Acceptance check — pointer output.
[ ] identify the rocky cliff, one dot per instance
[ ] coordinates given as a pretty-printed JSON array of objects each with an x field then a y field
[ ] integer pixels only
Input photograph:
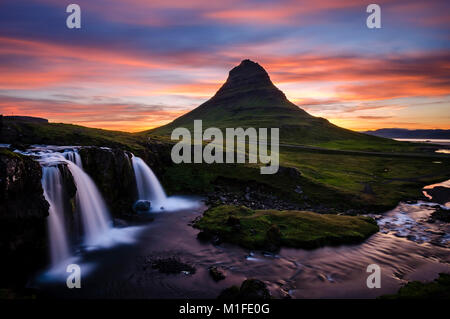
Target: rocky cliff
[
  {"x": 112, "y": 172},
  {"x": 23, "y": 214}
]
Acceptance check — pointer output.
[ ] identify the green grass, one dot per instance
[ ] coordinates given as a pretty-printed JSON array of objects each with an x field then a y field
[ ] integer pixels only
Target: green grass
[
  {"x": 437, "y": 289},
  {"x": 266, "y": 229},
  {"x": 391, "y": 178},
  {"x": 330, "y": 178},
  {"x": 67, "y": 134}
]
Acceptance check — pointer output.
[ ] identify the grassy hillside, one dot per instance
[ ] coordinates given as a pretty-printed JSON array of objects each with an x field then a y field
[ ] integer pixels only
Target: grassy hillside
[
  {"x": 339, "y": 181},
  {"x": 22, "y": 132}
]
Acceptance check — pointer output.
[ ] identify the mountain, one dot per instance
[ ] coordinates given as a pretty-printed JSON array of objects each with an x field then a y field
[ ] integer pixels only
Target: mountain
[
  {"x": 405, "y": 133},
  {"x": 248, "y": 98}
]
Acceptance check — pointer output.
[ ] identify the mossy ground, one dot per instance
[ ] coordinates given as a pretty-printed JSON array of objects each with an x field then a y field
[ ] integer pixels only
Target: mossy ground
[
  {"x": 437, "y": 289},
  {"x": 269, "y": 229}
]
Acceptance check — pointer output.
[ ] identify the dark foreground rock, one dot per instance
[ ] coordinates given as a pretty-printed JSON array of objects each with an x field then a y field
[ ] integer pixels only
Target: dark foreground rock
[
  {"x": 142, "y": 206},
  {"x": 439, "y": 194},
  {"x": 252, "y": 289},
  {"x": 23, "y": 216},
  {"x": 441, "y": 215}
]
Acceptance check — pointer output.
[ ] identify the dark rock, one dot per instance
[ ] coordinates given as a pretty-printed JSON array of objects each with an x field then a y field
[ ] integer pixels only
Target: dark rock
[
  {"x": 439, "y": 194},
  {"x": 441, "y": 215},
  {"x": 172, "y": 265},
  {"x": 289, "y": 171},
  {"x": 251, "y": 289},
  {"x": 23, "y": 218},
  {"x": 230, "y": 293},
  {"x": 142, "y": 206},
  {"x": 205, "y": 236},
  {"x": 216, "y": 274},
  {"x": 112, "y": 172}
]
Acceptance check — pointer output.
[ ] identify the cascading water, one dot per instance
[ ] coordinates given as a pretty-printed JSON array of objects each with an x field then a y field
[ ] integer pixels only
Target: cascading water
[
  {"x": 148, "y": 186},
  {"x": 94, "y": 214},
  {"x": 74, "y": 157},
  {"x": 150, "y": 189},
  {"x": 53, "y": 192},
  {"x": 89, "y": 202}
]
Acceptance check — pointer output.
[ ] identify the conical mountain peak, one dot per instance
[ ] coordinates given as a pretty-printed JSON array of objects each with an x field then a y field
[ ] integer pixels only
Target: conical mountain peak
[{"x": 249, "y": 78}]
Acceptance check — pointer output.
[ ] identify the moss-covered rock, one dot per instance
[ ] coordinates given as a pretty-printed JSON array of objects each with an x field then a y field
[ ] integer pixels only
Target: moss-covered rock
[
  {"x": 437, "y": 289},
  {"x": 270, "y": 229}
]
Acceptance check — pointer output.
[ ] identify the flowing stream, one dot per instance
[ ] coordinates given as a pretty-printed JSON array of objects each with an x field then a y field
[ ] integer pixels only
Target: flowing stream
[{"x": 408, "y": 247}]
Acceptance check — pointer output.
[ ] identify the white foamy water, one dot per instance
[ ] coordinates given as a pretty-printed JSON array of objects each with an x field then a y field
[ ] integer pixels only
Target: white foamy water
[
  {"x": 53, "y": 192},
  {"x": 149, "y": 188},
  {"x": 94, "y": 214}
]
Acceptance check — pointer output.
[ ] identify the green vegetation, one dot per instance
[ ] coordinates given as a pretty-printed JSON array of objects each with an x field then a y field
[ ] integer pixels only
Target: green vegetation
[
  {"x": 338, "y": 181},
  {"x": 270, "y": 229},
  {"x": 18, "y": 132},
  {"x": 368, "y": 179},
  {"x": 8, "y": 153},
  {"x": 437, "y": 289}
]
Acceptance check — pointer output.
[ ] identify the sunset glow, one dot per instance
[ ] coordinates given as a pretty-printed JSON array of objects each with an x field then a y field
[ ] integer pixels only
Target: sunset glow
[{"x": 136, "y": 65}]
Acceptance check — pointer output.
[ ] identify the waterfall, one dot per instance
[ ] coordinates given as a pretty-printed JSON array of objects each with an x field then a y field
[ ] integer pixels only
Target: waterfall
[
  {"x": 89, "y": 202},
  {"x": 74, "y": 157},
  {"x": 53, "y": 192},
  {"x": 148, "y": 185},
  {"x": 94, "y": 214}
]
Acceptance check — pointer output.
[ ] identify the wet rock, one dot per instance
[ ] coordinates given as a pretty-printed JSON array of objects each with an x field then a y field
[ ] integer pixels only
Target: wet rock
[
  {"x": 205, "y": 236},
  {"x": 216, "y": 274},
  {"x": 440, "y": 214},
  {"x": 251, "y": 289},
  {"x": 112, "y": 172},
  {"x": 172, "y": 265},
  {"x": 23, "y": 218},
  {"x": 439, "y": 194},
  {"x": 230, "y": 293},
  {"x": 142, "y": 206}
]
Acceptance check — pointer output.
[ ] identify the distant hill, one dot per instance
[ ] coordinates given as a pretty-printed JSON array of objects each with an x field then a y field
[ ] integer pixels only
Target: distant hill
[
  {"x": 248, "y": 98},
  {"x": 21, "y": 118},
  {"x": 405, "y": 133}
]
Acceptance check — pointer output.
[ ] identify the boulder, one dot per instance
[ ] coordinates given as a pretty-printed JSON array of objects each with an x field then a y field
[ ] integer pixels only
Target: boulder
[
  {"x": 142, "y": 206},
  {"x": 216, "y": 274}
]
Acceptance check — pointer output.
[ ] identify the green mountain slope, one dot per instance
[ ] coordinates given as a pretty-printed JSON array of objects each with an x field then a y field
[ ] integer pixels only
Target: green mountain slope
[{"x": 249, "y": 99}]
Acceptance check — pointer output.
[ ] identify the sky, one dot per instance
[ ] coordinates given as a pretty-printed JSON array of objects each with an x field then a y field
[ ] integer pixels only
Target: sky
[{"x": 139, "y": 64}]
